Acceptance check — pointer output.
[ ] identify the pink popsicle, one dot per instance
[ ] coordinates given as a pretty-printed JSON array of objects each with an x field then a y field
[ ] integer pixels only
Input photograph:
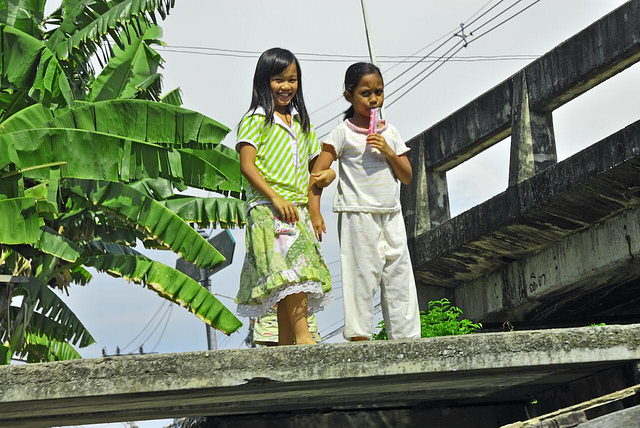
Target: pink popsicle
[{"x": 372, "y": 120}]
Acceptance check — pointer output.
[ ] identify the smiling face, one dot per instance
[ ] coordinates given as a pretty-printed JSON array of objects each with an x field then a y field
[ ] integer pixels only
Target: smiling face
[
  {"x": 284, "y": 87},
  {"x": 369, "y": 94}
]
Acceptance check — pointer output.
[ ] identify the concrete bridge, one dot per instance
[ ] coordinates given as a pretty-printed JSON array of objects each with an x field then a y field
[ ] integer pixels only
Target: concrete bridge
[
  {"x": 480, "y": 380},
  {"x": 560, "y": 246}
]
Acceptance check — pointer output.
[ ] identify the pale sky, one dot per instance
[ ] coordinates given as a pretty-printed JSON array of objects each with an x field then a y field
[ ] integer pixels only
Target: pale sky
[{"x": 115, "y": 311}]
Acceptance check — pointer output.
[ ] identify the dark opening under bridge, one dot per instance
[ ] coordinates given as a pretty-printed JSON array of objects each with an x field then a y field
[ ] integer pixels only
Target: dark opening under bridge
[{"x": 560, "y": 245}]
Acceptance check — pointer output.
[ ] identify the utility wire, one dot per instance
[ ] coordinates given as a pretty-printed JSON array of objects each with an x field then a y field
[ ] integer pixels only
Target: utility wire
[
  {"x": 458, "y": 50},
  {"x": 164, "y": 329},
  {"x": 452, "y": 35},
  {"x": 414, "y": 61},
  {"x": 498, "y": 15},
  {"x": 486, "y": 12},
  {"x": 446, "y": 60},
  {"x": 505, "y": 21},
  {"x": 390, "y": 68},
  {"x": 458, "y": 43},
  {"x": 421, "y": 80},
  {"x": 412, "y": 55},
  {"x": 145, "y": 327},
  {"x": 223, "y": 296},
  {"x": 166, "y": 312}
]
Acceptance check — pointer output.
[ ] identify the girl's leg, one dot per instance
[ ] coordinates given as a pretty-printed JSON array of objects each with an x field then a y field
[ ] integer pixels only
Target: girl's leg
[
  {"x": 285, "y": 332},
  {"x": 295, "y": 307},
  {"x": 399, "y": 297},
  {"x": 361, "y": 262}
]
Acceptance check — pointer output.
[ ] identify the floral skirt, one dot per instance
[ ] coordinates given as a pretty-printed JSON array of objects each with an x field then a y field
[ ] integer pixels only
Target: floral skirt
[{"x": 277, "y": 265}]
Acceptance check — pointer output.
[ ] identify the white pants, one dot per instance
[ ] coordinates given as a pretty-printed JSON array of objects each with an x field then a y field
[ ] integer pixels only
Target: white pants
[{"x": 374, "y": 253}]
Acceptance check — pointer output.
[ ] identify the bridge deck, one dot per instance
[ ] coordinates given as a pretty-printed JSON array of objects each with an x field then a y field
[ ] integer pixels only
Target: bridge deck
[{"x": 474, "y": 369}]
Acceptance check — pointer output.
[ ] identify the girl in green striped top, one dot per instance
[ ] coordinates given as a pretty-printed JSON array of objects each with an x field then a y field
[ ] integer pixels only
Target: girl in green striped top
[{"x": 284, "y": 264}]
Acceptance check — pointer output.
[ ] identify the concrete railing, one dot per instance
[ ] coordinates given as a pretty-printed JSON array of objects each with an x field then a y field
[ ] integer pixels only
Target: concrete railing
[
  {"x": 448, "y": 253},
  {"x": 521, "y": 106},
  {"x": 482, "y": 258}
]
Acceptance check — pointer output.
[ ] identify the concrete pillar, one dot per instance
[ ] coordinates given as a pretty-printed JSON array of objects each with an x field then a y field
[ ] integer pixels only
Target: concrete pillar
[
  {"x": 413, "y": 196},
  {"x": 438, "y": 198},
  {"x": 533, "y": 143},
  {"x": 425, "y": 201}
]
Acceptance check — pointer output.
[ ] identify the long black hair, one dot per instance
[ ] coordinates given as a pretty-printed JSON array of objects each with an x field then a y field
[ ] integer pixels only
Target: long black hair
[
  {"x": 352, "y": 77},
  {"x": 272, "y": 62}
]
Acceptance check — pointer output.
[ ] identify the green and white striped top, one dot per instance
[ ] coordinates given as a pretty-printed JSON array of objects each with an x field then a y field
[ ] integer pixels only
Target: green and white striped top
[{"x": 283, "y": 154}]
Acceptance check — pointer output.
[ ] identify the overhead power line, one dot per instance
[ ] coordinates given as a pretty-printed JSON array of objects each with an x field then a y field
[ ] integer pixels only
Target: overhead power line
[
  {"x": 458, "y": 50},
  {"x": 153, "y": 317},
  {"x": 443, "y": 60},
  {"x": 414, "y": 60},
  {"x": 155, "y": 328},
  {"x": 452, "y": 35},
  {"x": 164, "y": 329}
]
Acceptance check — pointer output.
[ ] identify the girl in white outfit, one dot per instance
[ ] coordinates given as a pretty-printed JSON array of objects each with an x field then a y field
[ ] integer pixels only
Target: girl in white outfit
[{"x": 373, "y": 240}]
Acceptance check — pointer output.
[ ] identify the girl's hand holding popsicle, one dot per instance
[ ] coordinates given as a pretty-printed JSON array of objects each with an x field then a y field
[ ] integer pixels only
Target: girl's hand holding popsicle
[{"x": 377, "y": 141}]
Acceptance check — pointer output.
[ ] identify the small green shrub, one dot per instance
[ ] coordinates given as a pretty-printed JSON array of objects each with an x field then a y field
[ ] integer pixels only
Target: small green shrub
[{"x": 441, "y": 319}]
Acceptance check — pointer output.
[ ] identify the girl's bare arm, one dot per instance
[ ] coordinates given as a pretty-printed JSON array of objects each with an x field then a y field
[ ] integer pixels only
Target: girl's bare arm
[{"x": 320, "y": 163}]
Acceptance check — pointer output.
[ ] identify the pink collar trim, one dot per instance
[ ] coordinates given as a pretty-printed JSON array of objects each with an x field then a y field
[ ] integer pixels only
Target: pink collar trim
[{"x": 364, "y": 131}]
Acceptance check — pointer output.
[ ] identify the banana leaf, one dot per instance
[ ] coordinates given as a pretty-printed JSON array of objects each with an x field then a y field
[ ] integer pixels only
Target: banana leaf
[
  {"x": 80, "y": 275},
  {"x": 42, "y": 325},
  {"x": 94, "y": 155},
  {"x": 30, "y": 117},
  {"x": 150, "y": 216},
  {"x": 52, "y": 243},
  {"x": 149, "y": 89},
  {"x": 156, "y": 188},
  {"x": 25, "y": 15},
  {"x": 137, "y": 120},
  {"x": 128, "y": 70},
  {"x": 226, "y": 212},
  {"x": 40, "y": 349},
  {"x": 98, "y": 246},
  {"x": 227, "y": 161},
  {"x": 5, "y": 355},
  {"x": 170, "y": 284},
  {"x": 114, "y": 19},
  {"x": 20, "y": 221},
  {"x": 50, "y": 305},
  {"x": 144, "y": 121},
  {"x": 173, "y": 97},
  {"x": 28, "y": 65}
]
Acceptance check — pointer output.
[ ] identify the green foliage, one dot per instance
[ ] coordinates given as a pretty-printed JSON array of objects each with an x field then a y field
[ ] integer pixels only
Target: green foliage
[
  {"x": 89, "y": 162},
  {"x": 441, "y": 319}
]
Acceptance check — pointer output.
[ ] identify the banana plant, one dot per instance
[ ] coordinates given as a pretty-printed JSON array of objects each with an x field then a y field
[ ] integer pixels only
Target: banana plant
[{"x": 93, "y": 160}]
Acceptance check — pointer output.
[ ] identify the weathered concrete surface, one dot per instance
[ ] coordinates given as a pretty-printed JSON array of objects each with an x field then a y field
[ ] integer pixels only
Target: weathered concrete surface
[
  {"x": 468, "y": 370},
  {"x": 592, "y": 275},
  {"x": 432, "y": 417},
  {"x": 601, "y": 412},
  {"x": 627, "y": 418},
  {"x": 589, "y": 187}
]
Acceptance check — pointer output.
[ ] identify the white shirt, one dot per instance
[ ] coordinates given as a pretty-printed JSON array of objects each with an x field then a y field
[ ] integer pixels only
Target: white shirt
[{"x": 366, "y": 181}]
